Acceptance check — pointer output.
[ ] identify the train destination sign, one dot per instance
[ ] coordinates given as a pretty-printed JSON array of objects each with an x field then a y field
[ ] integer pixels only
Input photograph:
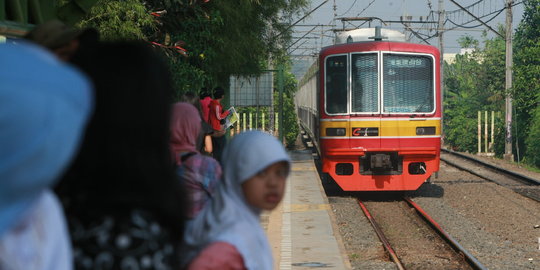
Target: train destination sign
[{"x": 407, "y": 62}]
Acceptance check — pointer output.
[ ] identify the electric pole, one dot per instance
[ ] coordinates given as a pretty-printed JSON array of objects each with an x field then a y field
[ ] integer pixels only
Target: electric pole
[
  {"x": 335, "y": 10},
  {"x": 508, "y": 154},
  {"x": 441, "y": 64}
]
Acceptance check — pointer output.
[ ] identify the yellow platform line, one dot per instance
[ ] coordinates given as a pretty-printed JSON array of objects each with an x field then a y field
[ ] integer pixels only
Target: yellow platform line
[{"x": 309, "y": 207}]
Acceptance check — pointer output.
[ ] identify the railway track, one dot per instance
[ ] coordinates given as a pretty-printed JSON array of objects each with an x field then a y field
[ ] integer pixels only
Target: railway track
[
  {"x": 524, "y": 185},
  {"x": 442, "y": 252}
]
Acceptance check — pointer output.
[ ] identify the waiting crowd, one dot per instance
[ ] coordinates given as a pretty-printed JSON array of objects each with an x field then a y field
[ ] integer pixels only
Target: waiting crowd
[{"x": 100, "y": 169}]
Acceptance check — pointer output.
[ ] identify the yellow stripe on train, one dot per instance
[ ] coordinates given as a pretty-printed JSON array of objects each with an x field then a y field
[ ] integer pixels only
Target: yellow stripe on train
[{"x": 384, "y": 128}]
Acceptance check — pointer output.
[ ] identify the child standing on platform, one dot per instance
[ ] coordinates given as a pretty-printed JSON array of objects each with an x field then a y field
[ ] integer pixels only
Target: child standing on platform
[{"x": 227, "y": 234}]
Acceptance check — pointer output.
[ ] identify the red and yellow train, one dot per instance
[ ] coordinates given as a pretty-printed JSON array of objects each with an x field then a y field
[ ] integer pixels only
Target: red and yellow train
[{"x": 374, "y": 110}]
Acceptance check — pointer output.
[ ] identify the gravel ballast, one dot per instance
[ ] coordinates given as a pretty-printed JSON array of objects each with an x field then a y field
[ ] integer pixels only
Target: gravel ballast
[{"x": 494, "y": 223}]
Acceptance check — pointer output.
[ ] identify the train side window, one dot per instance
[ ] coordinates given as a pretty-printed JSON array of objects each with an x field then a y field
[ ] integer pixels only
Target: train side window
[
  {"x": 365, "y": 95},
  {"x": 336, "y": 84},
  {"x": 408, "y": 84}
]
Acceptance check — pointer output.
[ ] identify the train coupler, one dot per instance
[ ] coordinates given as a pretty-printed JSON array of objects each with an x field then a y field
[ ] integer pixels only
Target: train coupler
[{"x": 381, "y": 163}]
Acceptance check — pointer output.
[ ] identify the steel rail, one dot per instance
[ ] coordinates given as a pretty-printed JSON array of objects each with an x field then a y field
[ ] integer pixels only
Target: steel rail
[
  {"x": 518, "y": 176},
  {"x": 449, "y": 239},
  {"x": 381, "y": 236}
]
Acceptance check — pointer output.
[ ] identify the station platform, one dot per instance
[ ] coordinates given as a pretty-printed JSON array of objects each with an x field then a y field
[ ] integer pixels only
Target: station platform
[{"x": 302, "y": 230}]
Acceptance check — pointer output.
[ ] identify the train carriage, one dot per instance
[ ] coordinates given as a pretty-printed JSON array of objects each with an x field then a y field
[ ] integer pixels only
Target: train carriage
[{"x": 374, "y": 109}]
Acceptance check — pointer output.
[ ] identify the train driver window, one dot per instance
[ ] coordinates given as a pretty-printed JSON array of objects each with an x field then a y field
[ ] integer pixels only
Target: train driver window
[
  {"x": 336, "y": 84},
  {"x": 408, "y": 84},
  {"x": 365, "y": 95}
]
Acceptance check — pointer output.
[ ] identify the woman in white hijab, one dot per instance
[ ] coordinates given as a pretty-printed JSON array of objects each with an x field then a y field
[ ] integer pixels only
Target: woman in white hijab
[{"x": 227, "y": 234}]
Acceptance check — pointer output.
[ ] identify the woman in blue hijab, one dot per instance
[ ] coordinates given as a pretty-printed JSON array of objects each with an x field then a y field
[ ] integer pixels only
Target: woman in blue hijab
[
  {"x": 44, "y": 105},
  {"x": 227, "y": 233}
]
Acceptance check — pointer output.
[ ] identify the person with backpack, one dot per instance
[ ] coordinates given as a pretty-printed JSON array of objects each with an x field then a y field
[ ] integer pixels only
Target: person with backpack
[
  {"x": 199, "y": 173},
  {"x": 204, "y": 139}
]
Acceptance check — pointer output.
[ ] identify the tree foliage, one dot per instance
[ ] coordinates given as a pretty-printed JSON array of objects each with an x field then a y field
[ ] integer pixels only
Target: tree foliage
[
  {"x": 225, "y": 37},
  {"x": 474, "y": 82},
  {"x": 479, "y": 85},
  {"x": 217, "y": 38},
  {"x": 532, "y": 143},
  {"x": 206, "y": 42},
  {"x": 290, "y": 121},
  {"x": 526, "y": 90},
  {"x": 119, "y": 20}
]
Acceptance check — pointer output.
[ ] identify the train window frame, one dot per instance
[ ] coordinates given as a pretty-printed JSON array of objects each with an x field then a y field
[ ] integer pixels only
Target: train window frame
[
  {"x": 348, "y": 80},
  {"x": 379, "y": 86},
  {"x": 434, "y": 82}
]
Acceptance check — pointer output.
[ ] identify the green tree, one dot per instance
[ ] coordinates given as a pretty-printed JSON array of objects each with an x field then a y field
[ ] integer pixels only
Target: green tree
[
  {"x": 493, "y": 72},
  {"x": 474, "y": 82},
  {"x": 217, "y": 38},
  {"x": 226, "y": 37},
  {"x": 119, "y": 20},
  {"x": 208, "y": 41},
  {"x": 460, "y": 103},
  {"x": 532, "y": 142},
  {"x": 290, "y": 120},
  {"x": 526, "y": 90}
]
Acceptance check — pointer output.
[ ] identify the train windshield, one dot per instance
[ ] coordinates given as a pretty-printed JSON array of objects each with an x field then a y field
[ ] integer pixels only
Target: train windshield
[
  {"x": 408, "y": 84},
  {"x": 336, "y": 84},
  {"x": 365, "y": 96}
]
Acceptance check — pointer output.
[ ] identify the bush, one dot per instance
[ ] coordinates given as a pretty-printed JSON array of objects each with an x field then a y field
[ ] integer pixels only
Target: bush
[
  {"x": 500, "y": 136},
  {"x": 532, "y": 142}
]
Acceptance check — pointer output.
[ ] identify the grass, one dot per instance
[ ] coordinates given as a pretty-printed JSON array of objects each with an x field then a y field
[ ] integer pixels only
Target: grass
[{"x": 529, "y": 167}]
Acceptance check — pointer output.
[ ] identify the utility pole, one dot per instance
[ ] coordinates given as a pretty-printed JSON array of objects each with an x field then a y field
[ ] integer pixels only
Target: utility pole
[
  {"x": 334, "y": 21},
  {"x": 280, "y": 86},
  {"x": 441, "y": 64},
  {"x": 335, "y": 10},
  {"x": 508, "y": 154}
]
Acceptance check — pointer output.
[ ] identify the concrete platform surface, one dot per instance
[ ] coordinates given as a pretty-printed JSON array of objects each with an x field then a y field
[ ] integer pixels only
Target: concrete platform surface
[{"x": 301, "y": 230}]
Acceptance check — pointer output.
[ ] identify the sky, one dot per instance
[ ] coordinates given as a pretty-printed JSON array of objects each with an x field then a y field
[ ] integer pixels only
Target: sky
[{"x": 309, "y": 38}]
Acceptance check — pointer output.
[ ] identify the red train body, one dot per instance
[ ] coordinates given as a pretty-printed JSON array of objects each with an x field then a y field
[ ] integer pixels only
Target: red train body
[{"x": 374, "y": 109}]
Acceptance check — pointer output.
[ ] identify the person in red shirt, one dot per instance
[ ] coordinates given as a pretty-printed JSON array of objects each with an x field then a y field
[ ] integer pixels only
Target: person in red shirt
[
  {"x": 215, "y": 116},
  {"x": 205, "y": 104}
]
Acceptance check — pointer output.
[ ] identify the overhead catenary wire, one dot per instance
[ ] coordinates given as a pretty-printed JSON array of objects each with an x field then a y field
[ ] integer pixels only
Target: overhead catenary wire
[
  {"x": 372, "y": 1},
  {"x": 303, "y": 17},
  {"x": 478, "y": 25},
  {"x": 301, "y": 38},
  {"x": 348, "y": 9},
  {"x": 456, "y": 20},
  {"x": 464, "y": 24},
  {"x": 477, "y": 18},
  {"x": 298, "y": 47}
]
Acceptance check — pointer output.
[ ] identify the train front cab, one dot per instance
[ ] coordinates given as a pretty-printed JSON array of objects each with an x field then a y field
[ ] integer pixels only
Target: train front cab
[{"x": 383, "y": 132}]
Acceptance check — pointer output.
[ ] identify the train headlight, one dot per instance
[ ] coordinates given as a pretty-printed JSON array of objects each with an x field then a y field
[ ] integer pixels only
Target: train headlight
[
  {"x": 335, "y": 132},
  {"x": 425, "y": 131}
]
